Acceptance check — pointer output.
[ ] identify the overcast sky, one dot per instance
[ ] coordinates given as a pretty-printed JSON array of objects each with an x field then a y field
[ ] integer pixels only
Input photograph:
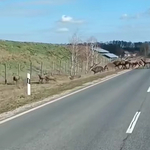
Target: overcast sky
[{"x": 55, "y": 21}]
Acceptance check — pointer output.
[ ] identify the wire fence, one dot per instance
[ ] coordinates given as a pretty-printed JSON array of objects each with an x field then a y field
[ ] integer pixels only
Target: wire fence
[{"x": 57, "y": 67}]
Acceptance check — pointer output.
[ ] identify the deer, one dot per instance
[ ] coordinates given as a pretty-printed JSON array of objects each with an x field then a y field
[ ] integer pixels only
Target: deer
[
  {"x": 109, "y": 66},
  {"x": 71, "y": 77},
  {"x": 41, "y": 78},
  {"x": 16, "y": 78},
  {"x": 117, "y": 63},
  {"x": 134, "y": 63},
  {"x": 95, "y": 68},
  {"x": 146, "y": 62},
  {"x": 48, "y": 78}
]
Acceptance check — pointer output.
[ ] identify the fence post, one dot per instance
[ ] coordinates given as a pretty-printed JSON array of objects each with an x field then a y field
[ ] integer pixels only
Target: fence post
[
  {"x": 30, "y": 68},
  {"x": 65, "y": 67},
  {"x": 53, "y": 67},
  {"x": 41, "y": 68},
  {"x": 78, "y": 69},
  {"x": 5, "y": 65},
  {"x": 82, "y": 67},
  {"x": 69, "y": 67},
  {"x": 28, "y": 84},
  {"x": 18, "y": 69},
  {"x": 84, "y": 63},
  {"x": 60, "y": 67}
]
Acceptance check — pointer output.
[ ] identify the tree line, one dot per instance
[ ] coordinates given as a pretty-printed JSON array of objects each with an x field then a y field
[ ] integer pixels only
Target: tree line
[{"x": 119, "y": 47}]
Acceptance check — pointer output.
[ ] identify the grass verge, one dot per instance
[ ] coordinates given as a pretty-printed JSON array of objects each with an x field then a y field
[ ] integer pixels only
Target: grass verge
[{"x": 47, "y": 91}]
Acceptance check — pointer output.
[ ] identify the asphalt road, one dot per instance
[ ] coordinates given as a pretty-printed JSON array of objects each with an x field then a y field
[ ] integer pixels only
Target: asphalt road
[{"x": 94, "y": 119}]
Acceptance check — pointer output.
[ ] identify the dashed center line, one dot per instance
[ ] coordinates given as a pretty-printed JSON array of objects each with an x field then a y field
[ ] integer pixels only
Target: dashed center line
[
  {"x": 148, "y": 89},
  {"x": 133, "y": 123}
]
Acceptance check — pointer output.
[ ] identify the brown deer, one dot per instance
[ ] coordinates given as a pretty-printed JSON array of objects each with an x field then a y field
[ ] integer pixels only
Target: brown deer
[
  {"x": 126, "y": 64},
  {"x": 117, "y": 64},
  {"x": 71, "y": 77},
  {"x": 109, "y": 66},
  {"x": 41, "y": 78},
  {"x": 146, "y": 62},
  {"x": 48, "y": 78},
  {"x": 97, "y": 69},
  {"x": 106, "y": 67},
  {"x": 16, "y": 79}
]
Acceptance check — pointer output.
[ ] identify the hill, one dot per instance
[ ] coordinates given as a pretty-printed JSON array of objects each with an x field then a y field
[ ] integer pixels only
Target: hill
[
  {"x": 36, "y": 58},
  {"x": 19, "y": 56}
]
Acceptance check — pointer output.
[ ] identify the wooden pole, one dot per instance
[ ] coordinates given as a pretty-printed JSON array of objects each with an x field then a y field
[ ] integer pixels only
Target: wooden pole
[
  {"x": 41, "y": 68},
  {"x": 18, "y": 69},
  {"x": 28, "y": 84},
  {"x": 30, "y": 68},
  {"x": 5, "y": 65}
]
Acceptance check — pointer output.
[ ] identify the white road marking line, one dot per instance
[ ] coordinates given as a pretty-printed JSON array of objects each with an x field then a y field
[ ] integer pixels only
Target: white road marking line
[
  {"x": 67, "y": 95},
  {"x": 133, "y": 123},
  {"x": 148, "y": 89}
]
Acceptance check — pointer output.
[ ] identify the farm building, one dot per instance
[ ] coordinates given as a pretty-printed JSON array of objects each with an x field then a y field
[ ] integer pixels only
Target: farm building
[
  {"x": 111, "y": 56},
  {"x": 100, "y": 50},
  {"x": 106, "y": 53}
]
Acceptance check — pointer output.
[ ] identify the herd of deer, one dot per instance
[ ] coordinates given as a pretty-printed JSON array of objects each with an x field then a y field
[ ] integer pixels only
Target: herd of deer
[
  {"x": 46, "y": 78},
  {"x": 117, "y": 64},
  {"x": 41, "y": 78},
  {"x": 122, "y": 64}
]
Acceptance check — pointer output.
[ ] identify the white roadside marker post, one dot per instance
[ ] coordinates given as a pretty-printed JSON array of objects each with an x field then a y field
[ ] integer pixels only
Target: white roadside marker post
[{"x": 28, "y": 84}]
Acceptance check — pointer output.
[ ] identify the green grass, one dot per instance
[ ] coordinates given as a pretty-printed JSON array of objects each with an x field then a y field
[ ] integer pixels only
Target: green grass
[
  {"x": 33, "y": 48},
  {"x": 14, "y": 53}
]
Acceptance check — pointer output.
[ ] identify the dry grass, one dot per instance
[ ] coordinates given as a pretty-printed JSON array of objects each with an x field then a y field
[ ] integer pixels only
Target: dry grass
[
  {"x": 54, "y": 59},
  {"x": 12, "y": 96}
]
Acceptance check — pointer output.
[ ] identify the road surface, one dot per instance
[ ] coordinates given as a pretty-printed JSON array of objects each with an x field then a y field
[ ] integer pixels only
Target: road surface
[{"x": 114, "y": 115}]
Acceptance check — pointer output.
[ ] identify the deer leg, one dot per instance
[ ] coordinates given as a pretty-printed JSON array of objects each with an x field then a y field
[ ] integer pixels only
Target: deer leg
[
  {"x": 39, "y": 80},
  {"x": 123, "y": 66},
  {"x": 118, "y": 67},
  {"x": 147, "y": 65}
]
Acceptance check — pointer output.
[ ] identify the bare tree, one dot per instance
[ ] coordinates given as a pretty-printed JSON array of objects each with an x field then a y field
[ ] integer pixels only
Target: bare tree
[
  {"x": 88, "y": 55},
  {"x": 145, "y": 49},
  {"x": 92, "y": 42},
  {"x": 74, "y": 53}
]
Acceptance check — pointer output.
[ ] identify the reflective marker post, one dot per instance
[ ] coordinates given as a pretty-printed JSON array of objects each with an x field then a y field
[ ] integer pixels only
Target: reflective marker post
[{"x": 28, "y": 84}]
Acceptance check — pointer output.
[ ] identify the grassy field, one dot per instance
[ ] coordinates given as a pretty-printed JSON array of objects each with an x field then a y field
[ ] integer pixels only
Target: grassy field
[{"x": 21, "y": 58}]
